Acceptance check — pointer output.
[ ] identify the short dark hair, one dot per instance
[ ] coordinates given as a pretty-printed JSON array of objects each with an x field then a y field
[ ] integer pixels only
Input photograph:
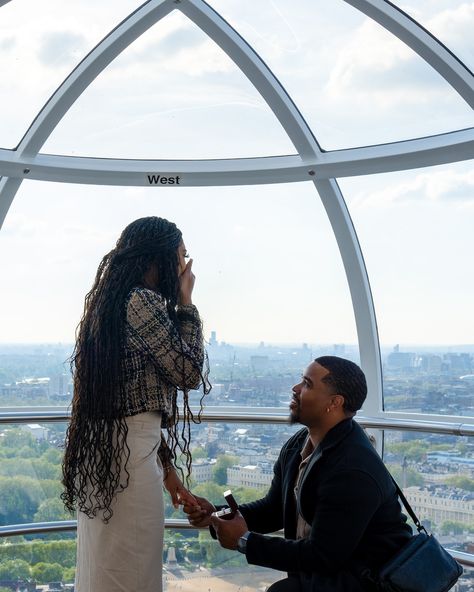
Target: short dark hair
[{"x": 347, "y": 379}]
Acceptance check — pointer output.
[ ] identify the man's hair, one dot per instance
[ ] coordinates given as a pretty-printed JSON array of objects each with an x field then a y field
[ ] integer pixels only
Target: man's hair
[{"x": 347, "y": 379}]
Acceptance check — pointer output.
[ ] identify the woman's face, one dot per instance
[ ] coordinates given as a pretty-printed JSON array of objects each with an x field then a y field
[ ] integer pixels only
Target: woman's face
[{"x": 182, "y": 256}]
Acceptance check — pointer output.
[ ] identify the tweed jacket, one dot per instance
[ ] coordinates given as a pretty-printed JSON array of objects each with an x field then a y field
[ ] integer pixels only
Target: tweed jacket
[
  {"x": 347, "y": 497},
  {"x": 159, "y": 359}
]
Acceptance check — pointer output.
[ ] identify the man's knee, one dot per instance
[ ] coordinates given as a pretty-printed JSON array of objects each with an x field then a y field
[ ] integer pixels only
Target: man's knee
[{"x": 286, "y": 585}]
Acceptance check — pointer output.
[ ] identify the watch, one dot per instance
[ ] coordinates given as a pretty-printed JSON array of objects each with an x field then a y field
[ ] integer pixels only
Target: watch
[{"x": 242, "y": 542}]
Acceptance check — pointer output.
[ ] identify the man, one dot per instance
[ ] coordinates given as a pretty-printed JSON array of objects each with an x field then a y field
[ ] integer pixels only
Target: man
[{"x": 330, "y": 492}]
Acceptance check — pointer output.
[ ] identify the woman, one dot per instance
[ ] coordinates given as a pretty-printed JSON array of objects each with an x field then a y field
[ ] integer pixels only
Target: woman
[{"x": 139, "y": 341}]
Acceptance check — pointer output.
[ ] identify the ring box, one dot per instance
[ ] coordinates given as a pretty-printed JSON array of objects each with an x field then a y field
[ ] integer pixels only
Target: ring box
[{"x": 225, "y": 513}]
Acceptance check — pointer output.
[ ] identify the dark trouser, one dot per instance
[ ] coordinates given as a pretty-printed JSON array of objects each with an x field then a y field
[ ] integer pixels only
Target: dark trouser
[
  {"x": 286, "y": 585},
  {"x": 341, "y": 582}
]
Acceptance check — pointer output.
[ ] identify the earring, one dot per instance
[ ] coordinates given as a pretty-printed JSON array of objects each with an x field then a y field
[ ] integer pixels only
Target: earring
[{"x": 327, "y": 410}]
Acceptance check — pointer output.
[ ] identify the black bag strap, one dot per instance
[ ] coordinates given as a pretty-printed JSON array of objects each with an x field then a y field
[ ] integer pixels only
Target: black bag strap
[{"x": 408, "y": 508}]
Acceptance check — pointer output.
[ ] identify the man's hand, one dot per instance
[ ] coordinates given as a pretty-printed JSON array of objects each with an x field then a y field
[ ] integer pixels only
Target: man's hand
[
  {"x": 229, "y": 531},
  {"x": 199, "y": 513}
]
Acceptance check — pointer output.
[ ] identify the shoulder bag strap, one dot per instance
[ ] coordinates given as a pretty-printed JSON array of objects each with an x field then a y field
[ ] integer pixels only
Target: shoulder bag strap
[{"x": 408, "y": 508}]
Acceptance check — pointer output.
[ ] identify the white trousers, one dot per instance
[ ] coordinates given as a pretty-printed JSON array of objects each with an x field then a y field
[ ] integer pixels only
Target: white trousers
[{"x": 125, "y": 555}]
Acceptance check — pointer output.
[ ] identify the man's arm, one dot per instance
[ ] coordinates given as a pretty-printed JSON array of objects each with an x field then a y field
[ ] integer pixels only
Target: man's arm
[
  {"x": 344, "y": 508},
  {"x": 264, "y": 515}
]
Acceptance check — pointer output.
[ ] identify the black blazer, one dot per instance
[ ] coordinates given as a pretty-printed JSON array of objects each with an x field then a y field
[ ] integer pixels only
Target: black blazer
[{"x": 348, "y": 498}]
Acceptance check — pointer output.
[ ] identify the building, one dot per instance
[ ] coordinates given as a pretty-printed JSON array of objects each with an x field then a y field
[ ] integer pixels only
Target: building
[
  {"x": 202, "y": 469},
  {"x": 398, "y": 360},
  {"x": 439, "y": 503},
  {"x": 38, "y": 432},
  {"x": 256, "y": 476}
]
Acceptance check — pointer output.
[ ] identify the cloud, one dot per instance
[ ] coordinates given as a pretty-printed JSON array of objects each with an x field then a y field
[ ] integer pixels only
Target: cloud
[
  {"x": 21, "y": 227},
  {"x": 186, "y": 51},
  {"x": 7, "y": 43},
  {"x": 375, "y": 63},
  {"x": 185, "y": 38},
  {"x": 60, "y": 48},
  {"x": 435, "y": 186},
  {"x": 454, "y": 27}
]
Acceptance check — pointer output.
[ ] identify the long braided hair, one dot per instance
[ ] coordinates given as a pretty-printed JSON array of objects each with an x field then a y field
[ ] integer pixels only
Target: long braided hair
[{"x": 96, "y": 455}]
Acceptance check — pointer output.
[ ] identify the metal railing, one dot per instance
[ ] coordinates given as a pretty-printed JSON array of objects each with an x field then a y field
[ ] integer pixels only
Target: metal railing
[
  {"x": 466, "y": 559},
  {"x": 232, "y": 415},
  {"x": 263, "y": 415}
]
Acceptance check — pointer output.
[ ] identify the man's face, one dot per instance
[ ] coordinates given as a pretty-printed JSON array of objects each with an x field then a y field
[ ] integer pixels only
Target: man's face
[{"x": 311, "y": 397}]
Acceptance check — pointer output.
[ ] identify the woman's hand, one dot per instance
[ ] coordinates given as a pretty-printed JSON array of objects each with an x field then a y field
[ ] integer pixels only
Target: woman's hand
[
  {"x": 199, "y": 513},
  {"x": 178, "y": 492},
  {"x": 186, "y": 284}
]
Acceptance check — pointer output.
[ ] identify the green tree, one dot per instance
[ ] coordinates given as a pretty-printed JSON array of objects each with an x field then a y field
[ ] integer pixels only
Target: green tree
[
  {"x": 413, "y": 477},
  {"x": 26, "y": 452},
  {"x": 51, "y": 510},
  {"x": 51, "y": 488},
  {"x": 215, "y": 555},
  {"x": 199, "y": 452},
  {"x": 14, "y": 467},
  {"x": 211, "y": 491},
  {"x": 46, "y": 470},
  {"x": 52, "y": 455},
  {"x": 451, "y": 526},
  {"x": 17, "y": 438},
  {"x": 69, "y": 573},
  {"x": 36, "y": 468},
  {"x": 14, "y": 569},
  {"x": 19, "y": 499},
  {"x": 412, "y": 450},
  {"x": 219, "y": 470},
  {"x": 244, "y": 495},
  {"x": 58, "y": 551},
  {"x": 47, "y": 572},
  {"x": 461, "y": 481}
]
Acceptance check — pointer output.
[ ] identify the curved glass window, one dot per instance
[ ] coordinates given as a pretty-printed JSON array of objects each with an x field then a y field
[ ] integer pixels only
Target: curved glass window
[
  {"x": 172, "y": 94},
  {"x": 435, "y": 473},
  {"x": 37, "y": 52},
  {"x": 192, "y": 560},
  {"x": 450, "y": 20},
  {"x": 257, "y": 251},
  {"x": 271, "y": 271},
  {"x": 415, "y": 230},
  {"x": 354, "y": 82}
]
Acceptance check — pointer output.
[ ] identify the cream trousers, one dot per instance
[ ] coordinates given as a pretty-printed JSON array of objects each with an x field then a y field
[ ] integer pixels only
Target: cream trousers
[{"x": 125, "y": 555}]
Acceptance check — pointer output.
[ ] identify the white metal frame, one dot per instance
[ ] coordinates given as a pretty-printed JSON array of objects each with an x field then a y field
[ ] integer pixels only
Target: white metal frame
[{"x": 310, "y": 162}]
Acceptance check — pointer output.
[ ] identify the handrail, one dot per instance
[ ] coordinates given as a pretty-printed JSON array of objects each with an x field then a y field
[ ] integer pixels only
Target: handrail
[
  {"x": 70, "y": 525},
  {"x": 232, "y": 415},
  {"x": 259, "y": 415},
  {"x": 466, "y": 559}
]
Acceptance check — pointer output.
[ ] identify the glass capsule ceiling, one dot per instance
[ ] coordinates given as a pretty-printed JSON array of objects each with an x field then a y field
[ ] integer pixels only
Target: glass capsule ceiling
[{"x": 249, "y": 117}]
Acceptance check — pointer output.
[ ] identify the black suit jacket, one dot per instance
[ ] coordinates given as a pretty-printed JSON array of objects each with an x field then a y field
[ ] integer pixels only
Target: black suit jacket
[{"x": 348, "y": 498}]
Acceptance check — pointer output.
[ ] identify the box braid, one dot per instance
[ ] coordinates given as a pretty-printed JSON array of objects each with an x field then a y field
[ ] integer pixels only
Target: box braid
[{"x": 96, "y": 451}]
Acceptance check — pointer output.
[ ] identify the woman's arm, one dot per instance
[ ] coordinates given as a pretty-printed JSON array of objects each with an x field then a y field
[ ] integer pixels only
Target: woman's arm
[
  {"x": 173, "y": 484},
  {"x": 178, "y": 353}
]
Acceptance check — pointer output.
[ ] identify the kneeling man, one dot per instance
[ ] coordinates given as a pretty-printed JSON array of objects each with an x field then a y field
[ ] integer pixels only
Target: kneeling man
[{"x": 331, "y": 493}]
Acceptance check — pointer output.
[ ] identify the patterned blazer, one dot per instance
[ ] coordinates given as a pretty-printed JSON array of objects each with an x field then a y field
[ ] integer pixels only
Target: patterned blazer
[{"x": 159, "y": 358}]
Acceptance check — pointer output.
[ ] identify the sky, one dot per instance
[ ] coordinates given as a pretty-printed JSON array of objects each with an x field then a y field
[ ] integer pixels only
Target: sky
[{"x": 266, "y": 261}]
